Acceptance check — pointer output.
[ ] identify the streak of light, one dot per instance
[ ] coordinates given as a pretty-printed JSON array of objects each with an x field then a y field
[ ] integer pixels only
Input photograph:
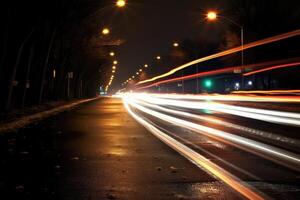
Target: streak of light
[
  {"x": 198, "y": 159},
  {"x": 224, "y": 70},
  {"x": 273, "y": 153},
  {"x": 189, "y": 77},
  {"x": 212, "y": 155},
  {"x": 227, "y": 52},
  {"x": 267, "y": 92},
  {"x": 272, "y": 68},
  {"x": 279, "y": 117},
  {"x": 218, "y": 97},
  {"x": 251, "y": 131}
]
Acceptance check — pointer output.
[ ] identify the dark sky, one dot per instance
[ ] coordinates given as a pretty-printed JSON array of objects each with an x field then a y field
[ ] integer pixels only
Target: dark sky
[{"x": 151, "y": 26}]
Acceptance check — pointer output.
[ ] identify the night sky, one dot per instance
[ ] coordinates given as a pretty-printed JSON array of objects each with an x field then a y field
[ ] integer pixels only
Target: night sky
[{"x": 150, "y": 27}]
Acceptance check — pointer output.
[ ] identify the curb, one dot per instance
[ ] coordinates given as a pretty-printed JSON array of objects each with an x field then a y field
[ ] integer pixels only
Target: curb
[{"x": 29, "y": 119}]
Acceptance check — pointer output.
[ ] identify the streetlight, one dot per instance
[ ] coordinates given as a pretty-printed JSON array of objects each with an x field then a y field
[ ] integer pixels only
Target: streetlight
[
  {"x": 237, "y": 86},
  {"x": 114, "y": 67},
  {"x": 158, "y": 57},
  {"x": 112, "y": 53},
  {"x": 212, "y": 15},
  {"x": 145, "y": 65},
  {"x": 115, "y": 62},
  {"x": 105, "y": 31},
  {"x": 141, "y": 70},
  {"x": 121, "y": 3},
  {"x": 175, "y": 44}
]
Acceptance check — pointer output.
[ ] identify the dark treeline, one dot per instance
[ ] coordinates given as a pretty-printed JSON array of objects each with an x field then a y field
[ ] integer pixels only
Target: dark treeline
[{"x": 46, "y": 52}]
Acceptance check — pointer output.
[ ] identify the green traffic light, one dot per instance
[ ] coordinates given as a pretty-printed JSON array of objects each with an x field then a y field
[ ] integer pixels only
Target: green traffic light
[{"x": 208, "y": 83}]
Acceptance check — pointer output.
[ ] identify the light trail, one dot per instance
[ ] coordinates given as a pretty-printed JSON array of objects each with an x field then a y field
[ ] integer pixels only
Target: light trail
[
  {"x": 280, "y": 156},
  {"x": 251, "y": 131},
  {"x": 201, "y": 74},
  {"x": 237, "y": 98},
  {"x": 279, "y": 117},
  {"x": 277, "y": 63},
  {"x": 270, "y": 92},
  {"x": 227, "y": 52},
  {"x": 195, "y": 146},
  {"x": 272, "y": 68},
  {"x": 199, "y": 160}
]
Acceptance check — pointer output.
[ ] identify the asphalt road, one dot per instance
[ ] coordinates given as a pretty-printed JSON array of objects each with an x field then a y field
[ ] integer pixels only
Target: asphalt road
[{"x": 98, "y": 151}]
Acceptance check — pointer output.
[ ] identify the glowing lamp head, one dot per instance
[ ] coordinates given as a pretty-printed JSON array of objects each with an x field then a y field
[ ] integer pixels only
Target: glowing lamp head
[
  {"x": 211, "y": 15},
  {"x": 111, "y": 53},
  {"x": 158, "y": 57},
  {"x": 105, "y": 31},
  {"x": 121, "y": 3},
  {"x": 175, "y": 44}
]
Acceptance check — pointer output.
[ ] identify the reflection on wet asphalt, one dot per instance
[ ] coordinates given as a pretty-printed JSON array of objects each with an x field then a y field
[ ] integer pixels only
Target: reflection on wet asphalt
[{"x": 97, "y": 151}]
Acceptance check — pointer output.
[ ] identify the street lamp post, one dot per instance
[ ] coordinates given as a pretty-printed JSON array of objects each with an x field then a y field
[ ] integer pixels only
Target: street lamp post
[
  {"x": 176, "y": 45},
  {"x": 212, "y": 15}
]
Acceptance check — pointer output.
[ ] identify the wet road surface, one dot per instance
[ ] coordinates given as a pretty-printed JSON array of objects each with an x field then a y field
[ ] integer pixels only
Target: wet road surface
[{"x": 98, "y": 151}]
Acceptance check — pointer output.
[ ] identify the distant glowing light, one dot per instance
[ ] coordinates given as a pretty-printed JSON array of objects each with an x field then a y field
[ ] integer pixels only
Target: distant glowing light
[
  {"x": 158, "y": 57},
  {"x": 237, "y": 86},
  {"x": 211, "y": 15},
  {"x": 121, "y": 3},
  {"x": 175, "y": 44},
  {"x": 115, "y": 62},
  {"x": 250, "y": 83},
  {"x": 146, "y": 66},
  {"x": 105, "y": 31},
  {"x": 111, "y": 53},
  {"x": 208, "y": 83}
]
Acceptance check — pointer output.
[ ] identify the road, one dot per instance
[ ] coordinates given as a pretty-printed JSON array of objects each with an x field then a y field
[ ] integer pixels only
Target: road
[{"x": 98, "y": 151}]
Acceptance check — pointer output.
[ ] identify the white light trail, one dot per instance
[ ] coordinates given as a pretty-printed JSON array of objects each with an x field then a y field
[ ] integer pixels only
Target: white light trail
[
  {"x": 273, "y": 153},
  {"x": 199, "y": 160},
  {"x": 279, "y": 117},
  {"x": 231, "y": 97},
  {"x": 248, "y": 130}
]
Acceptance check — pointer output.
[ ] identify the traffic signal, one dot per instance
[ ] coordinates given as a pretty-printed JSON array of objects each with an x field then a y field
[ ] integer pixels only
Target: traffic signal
[{"x": 208, "y": 83}]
